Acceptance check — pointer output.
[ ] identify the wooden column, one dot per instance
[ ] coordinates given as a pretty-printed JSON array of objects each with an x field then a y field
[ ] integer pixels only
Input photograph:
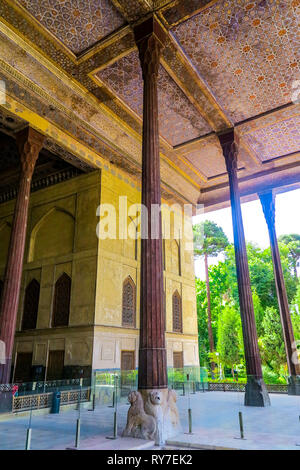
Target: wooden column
[
  {"x": 256, "y": 392},
  {"x": 149, "y": 38},
  {"x": 268, "y": 204},
  {"x": 29, "y": 143}
]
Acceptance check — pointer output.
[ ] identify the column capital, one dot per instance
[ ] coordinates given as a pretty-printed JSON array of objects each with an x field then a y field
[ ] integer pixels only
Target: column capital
[
  {"x": 267, "y": 200},
  {"x": 229, "y": 148},
  {"x": 29, "y": 143},
  {"x": 150, "y": 39}
]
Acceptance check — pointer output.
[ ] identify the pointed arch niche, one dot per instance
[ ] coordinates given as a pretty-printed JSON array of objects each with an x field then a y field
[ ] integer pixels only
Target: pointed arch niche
[
  {"x": 53, "y": 235},
  {"x": 61, "y": 302},
  {"x": 128, "y": 303},
  {"x": 177, "y": 312},
  {"x": 31, "y": 305}
]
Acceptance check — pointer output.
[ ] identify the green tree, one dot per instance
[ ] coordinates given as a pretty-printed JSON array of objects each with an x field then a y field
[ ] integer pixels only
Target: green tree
[
  {"x": 228, "y": 346},
  {"x": 220, "y": 294},
  {"x": 292, "y": 241},
  {"x": 272, "y": 343},
  {"x": 224, "y": 291},
  {"x": 202, "y": 320},
  {"x": 261, "y": 274},
  {"x": 291, "y": 281},
  {"x": 295, "y": 313},
  {"x": 209, "y": 240}
]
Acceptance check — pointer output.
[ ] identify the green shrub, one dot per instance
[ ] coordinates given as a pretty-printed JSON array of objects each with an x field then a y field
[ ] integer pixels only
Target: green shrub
[{"x": 271, "y": 377}]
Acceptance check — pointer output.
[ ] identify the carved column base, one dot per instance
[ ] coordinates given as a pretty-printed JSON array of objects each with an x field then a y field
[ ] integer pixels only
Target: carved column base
[
  {"x": 153, "y": 415},
  {"x": 256, "y": 393},
  {"x": 294, "y": 385}
]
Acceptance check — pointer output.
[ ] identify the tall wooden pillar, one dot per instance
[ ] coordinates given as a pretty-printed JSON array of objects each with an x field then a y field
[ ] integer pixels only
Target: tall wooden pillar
[
  {"x": 268, "y": 204},
  {"x": 152, "y": 374},
  {"x": 29, "y": 143},
  {"x": 256, "y": 392}
]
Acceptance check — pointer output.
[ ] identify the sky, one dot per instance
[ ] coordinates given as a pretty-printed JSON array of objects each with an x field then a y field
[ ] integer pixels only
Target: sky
[{"x": 287, "y": 221}]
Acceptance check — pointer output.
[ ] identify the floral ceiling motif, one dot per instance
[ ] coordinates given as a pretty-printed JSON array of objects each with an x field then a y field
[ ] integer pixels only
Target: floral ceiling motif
[
  {"x": 179, "y": 121},
  {"x": 246, "y": 51},
  {"x": 78, "y": 24}
]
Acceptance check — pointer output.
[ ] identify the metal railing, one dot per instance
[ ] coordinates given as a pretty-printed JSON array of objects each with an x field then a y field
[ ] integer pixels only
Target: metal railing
[
  {"x": 280, "y": 388},
  {"x": 32, "y": 402},
  {"x": 44, "y": 400},
  {"x": 240, "y": 387}
]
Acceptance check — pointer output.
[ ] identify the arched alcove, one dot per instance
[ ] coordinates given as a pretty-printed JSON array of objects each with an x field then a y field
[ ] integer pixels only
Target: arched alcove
[
  {"x": 53, "y": 235},
  {"x": 31, "y": 305},
  {"x": 61, "y": 302}
]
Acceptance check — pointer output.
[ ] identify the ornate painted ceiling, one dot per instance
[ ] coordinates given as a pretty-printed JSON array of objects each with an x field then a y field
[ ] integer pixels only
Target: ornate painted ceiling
[
  {"x": 71, "y": 70},
  {"x": 77, "y": 24},
  {"x": 179, "y": 120}
]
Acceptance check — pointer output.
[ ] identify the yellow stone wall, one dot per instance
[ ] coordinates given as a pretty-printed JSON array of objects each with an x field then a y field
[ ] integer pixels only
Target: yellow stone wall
[
  {"x": 116, "y": 261},
  {"x": 61, "y": 237}
]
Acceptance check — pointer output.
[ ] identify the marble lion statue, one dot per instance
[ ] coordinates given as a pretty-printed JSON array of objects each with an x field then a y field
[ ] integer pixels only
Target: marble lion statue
[
  {"x": 172, "y": 408},
  {"x": 164, "y": 409},
  {"x": 139, "y": 424},
  {"x": 153, "y": 406}
]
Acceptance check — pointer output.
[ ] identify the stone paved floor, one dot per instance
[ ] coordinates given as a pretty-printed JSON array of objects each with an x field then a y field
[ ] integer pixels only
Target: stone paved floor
[
  {"x": 215, "y": 424},
  {"x": 58, "y": 430}
]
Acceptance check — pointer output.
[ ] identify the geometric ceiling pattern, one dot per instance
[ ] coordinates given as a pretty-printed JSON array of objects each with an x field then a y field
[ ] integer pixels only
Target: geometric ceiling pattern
[
  {"x": 179, "y": 121},
  {"x": 247, "y": 52},
  {"x": 180, "y": 10},
  {"x": 77, "y": 24},
  {"x": 207, "y": 156},
  {"x": 275, "y": 140},
  {"x": 225, "y": 63}
]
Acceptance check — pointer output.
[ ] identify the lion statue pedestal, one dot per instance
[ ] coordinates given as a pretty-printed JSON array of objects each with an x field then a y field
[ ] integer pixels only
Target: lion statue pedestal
[{"x": 153, "y": 415}]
